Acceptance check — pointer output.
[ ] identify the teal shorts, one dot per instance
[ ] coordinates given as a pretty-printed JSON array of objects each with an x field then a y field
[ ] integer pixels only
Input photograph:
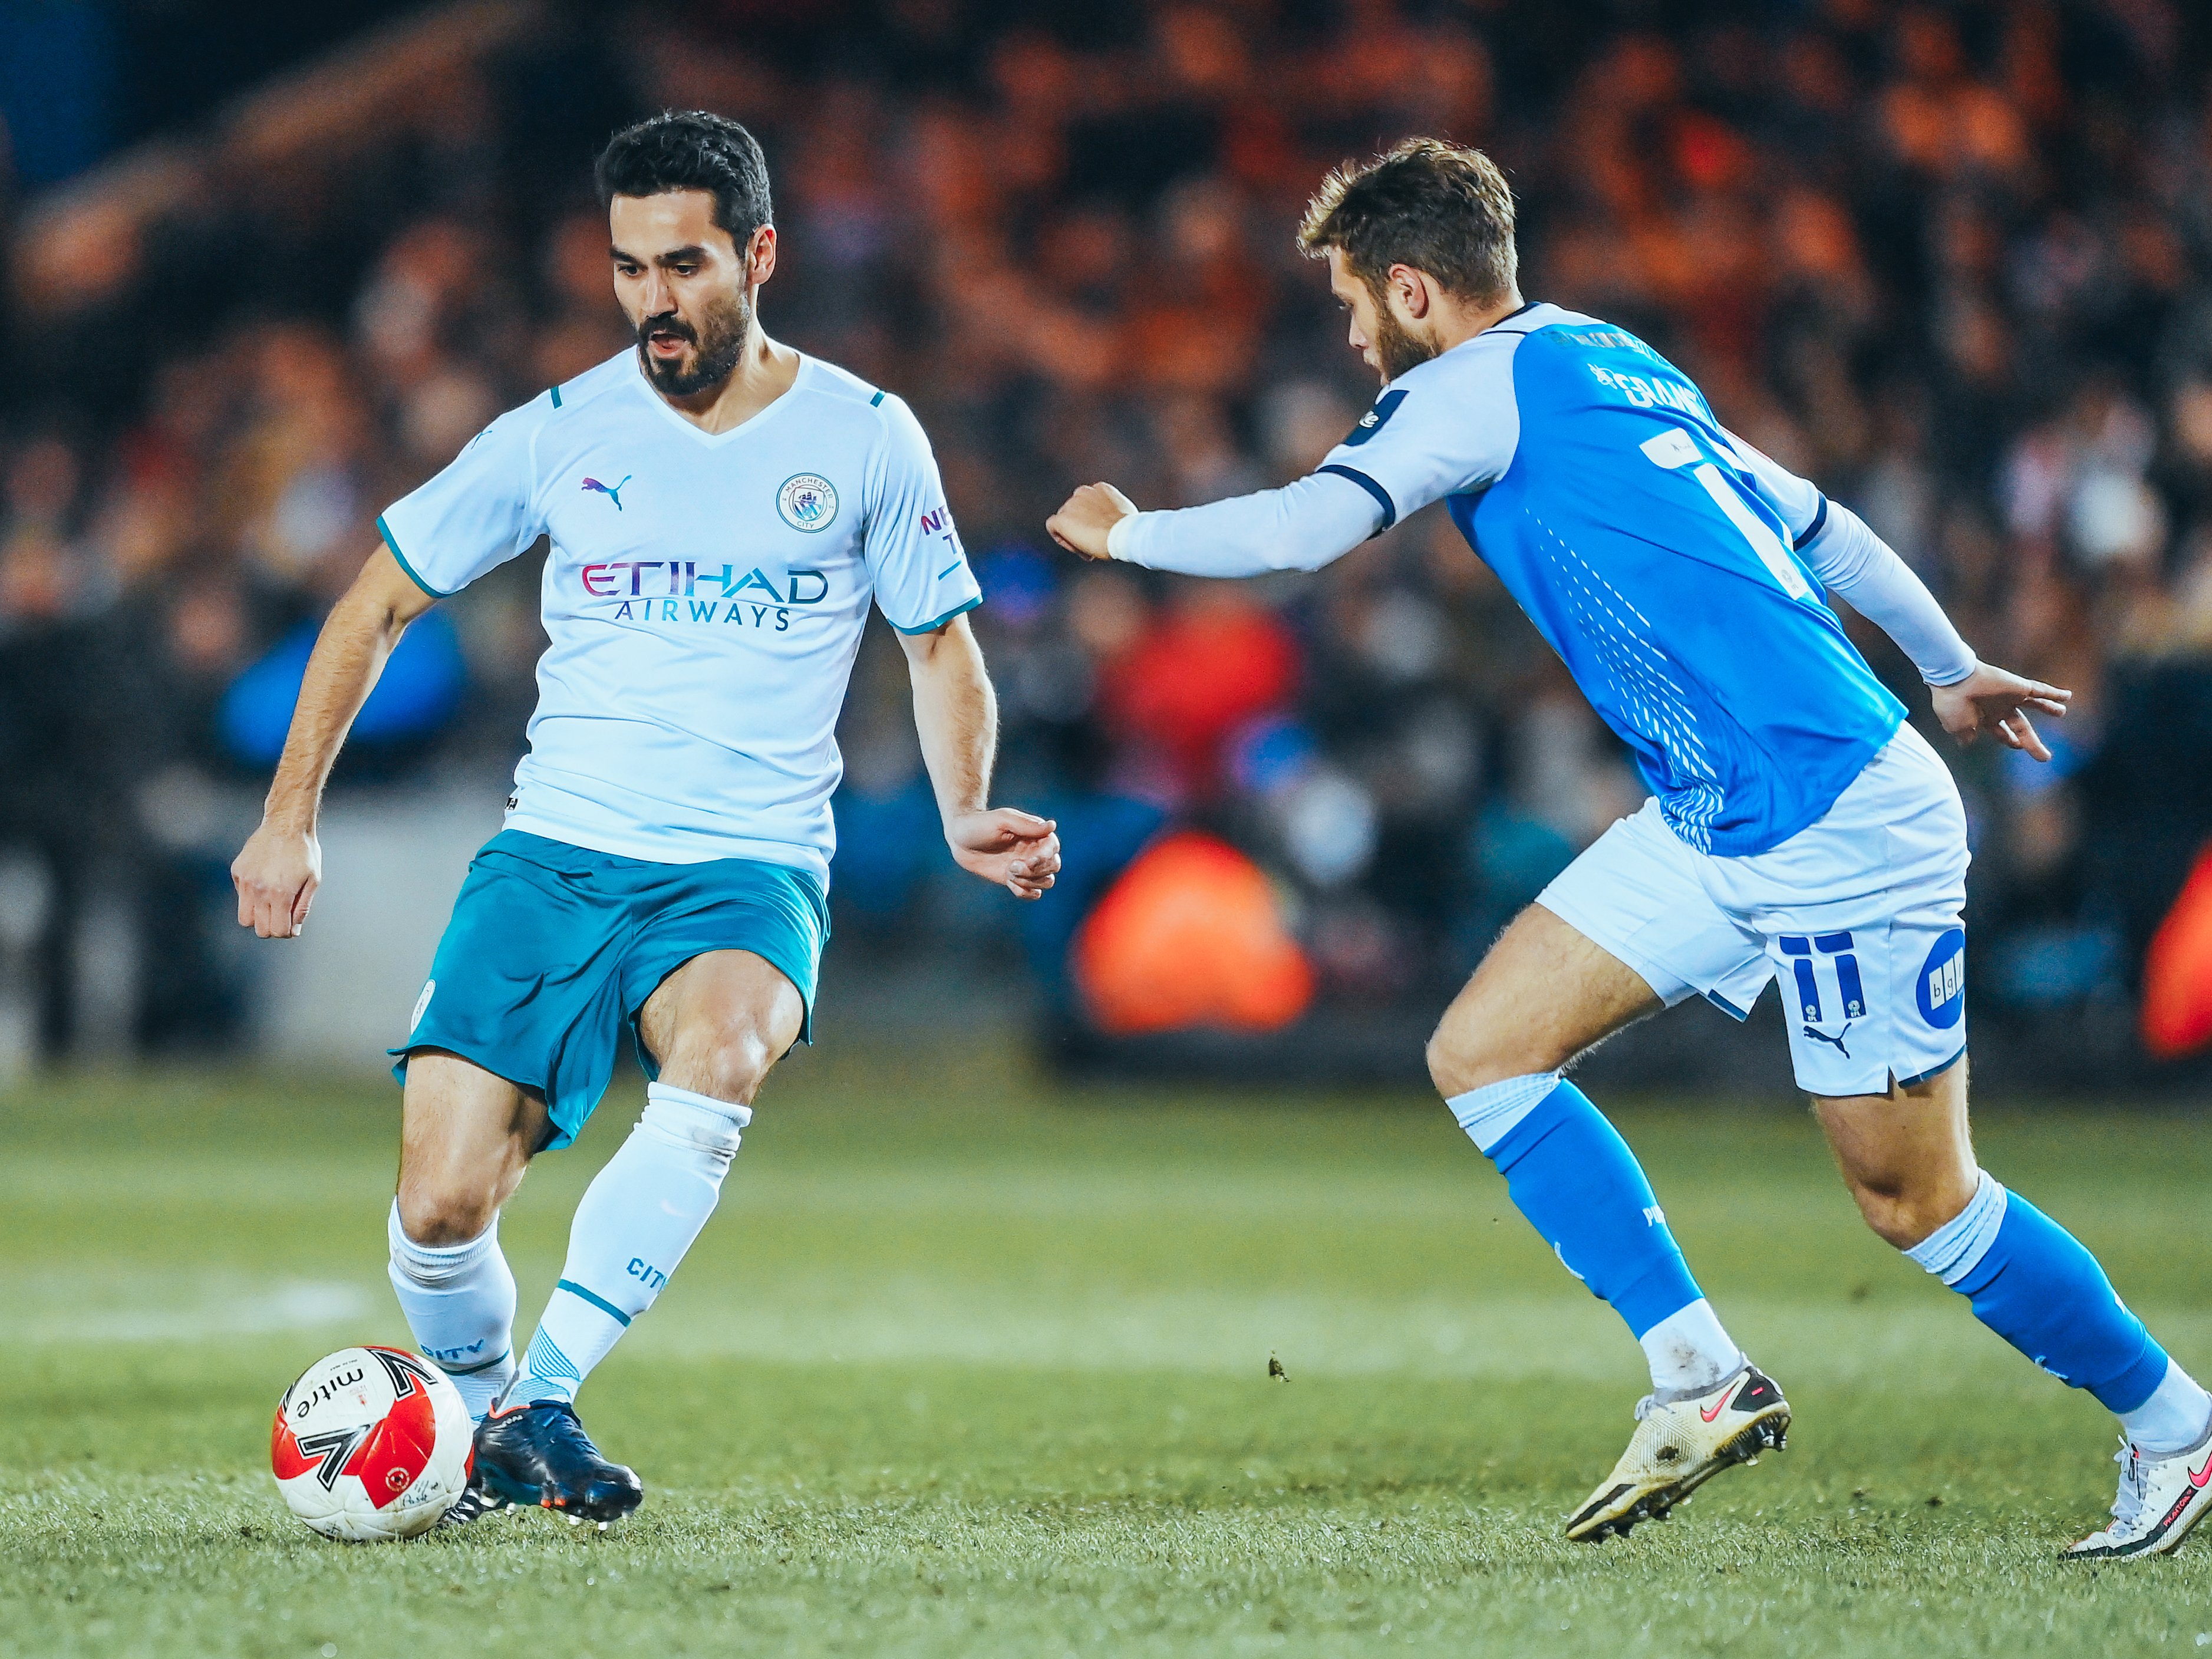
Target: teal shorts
[{"x": 552, "y": 950}]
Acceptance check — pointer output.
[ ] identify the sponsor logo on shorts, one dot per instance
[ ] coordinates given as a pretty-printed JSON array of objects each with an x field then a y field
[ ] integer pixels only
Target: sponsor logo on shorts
[
  {"x": 1942, "y": 991},
  {"x": 807, "y": 501}
]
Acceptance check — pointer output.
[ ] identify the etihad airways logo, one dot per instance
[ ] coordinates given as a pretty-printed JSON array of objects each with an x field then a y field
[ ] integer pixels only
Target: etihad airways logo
[{"x": 682, "y": 590}]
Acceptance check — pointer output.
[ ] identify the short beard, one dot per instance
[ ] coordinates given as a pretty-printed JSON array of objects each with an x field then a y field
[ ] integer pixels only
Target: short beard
[
  {"x": 713, "y": 358},
  {"x": 1398, "y": 350}
]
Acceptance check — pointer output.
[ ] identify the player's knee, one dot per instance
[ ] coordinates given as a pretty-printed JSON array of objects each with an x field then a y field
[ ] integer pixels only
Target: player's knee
[
  {"x": 1463, "y": 1056},
  {"x": 1903, "y": 1213},
  {"x": 441, "y": 1214},
  {"x": 722, "y": 1062},
  {"x": 1447, "y": 1070},
  {"x": 1891, "y": 1218}
]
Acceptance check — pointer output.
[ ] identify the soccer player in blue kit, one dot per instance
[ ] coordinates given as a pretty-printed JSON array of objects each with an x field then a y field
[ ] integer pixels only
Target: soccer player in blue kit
[
  {"x": 1797, "y": 828},
  {"x": 721, "y": 512}
]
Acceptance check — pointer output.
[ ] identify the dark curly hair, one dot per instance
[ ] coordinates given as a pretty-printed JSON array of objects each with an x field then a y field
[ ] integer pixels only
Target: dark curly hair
[
  {"x": 1438, "y": 207},
  {"x": 691, "y": 149}
]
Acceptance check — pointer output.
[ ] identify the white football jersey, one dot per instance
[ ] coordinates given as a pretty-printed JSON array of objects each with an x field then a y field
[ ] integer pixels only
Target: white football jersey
[{"x": 704, "y": 597}]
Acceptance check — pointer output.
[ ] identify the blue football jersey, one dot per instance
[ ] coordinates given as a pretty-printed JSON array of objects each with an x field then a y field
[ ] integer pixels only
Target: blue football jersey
[{"x": 1655, "y": 552}]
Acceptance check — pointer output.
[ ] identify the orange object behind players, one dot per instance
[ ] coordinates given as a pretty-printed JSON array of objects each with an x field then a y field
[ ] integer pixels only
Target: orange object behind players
[
  {"x": 1191, "y": 935},
  {"x": 2177, "y": 994}
]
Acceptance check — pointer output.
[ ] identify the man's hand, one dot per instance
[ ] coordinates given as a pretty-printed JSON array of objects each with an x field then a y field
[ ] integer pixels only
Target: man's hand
[
  {"x": 276, "y": 874},
  {"x": 1991, "y": 699},
  {"x": 1088, "y": 517},
  {"x": 1006, "y": 847}
]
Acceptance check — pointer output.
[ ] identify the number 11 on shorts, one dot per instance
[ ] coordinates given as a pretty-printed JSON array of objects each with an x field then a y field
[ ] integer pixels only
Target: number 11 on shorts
[{"x": 1835, "y": 949}]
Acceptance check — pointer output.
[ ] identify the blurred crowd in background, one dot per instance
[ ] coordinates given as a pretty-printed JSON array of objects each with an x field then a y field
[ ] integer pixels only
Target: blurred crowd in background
[{"x": 1952, "y": 262}]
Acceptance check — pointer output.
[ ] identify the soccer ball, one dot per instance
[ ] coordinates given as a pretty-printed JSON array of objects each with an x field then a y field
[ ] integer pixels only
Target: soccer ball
[{"x": 372, "y": 1443}]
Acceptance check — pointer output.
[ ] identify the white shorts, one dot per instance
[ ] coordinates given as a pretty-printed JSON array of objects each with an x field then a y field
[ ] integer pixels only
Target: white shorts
[{"x": 1858, "y": 914}]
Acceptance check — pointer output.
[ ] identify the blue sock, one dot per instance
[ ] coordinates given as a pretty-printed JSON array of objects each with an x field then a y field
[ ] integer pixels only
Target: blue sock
[
  {"x": 2032, "y": 1283},
  {"x": 1570, "y": 1172}
]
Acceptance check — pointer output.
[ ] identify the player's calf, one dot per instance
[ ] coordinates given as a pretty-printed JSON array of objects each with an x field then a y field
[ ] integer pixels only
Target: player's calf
[
  {"x": 1544, "y": 993},
  {"x": 1909, "y": 1162},
  {"x": 2034, "y": 1284},
  {"x": 637, "y": 1220},
  {"x": 465, "y": 1137},
  {"x": 459, "y": 1302},
  {"x": 1570, "y": 1173}
]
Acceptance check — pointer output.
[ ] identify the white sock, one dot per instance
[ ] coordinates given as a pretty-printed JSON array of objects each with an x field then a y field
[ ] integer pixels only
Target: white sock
[
  {"x": 1956, "y": 1248},
  {"x": 1689, "y": 1353},
  {"x": 2174, "y": 1418},
  {"x": 1487, "y": 1113},
  {"x": 459, "y": 1302},
  {"x": 637, "y": 1220}
]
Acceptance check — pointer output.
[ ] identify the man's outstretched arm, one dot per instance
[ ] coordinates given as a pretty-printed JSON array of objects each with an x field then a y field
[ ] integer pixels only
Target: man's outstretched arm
[
  {"x": 1302, "y": 526},
  {"x": 282, "y": 864},
  {"x": 956, "y": 715},
  {"x": 1970, "y": 695}
]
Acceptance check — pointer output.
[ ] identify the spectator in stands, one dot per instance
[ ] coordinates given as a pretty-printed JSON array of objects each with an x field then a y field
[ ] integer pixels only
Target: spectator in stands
[{"x": 1956, "y": 266}]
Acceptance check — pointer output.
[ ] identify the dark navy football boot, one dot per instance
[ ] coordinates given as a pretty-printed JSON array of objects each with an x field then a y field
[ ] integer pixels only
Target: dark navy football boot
[{"x": 538, "y": 1455}]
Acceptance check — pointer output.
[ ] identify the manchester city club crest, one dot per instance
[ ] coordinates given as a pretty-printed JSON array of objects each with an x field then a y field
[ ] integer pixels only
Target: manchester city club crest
[{"x": 808, "y": 501}]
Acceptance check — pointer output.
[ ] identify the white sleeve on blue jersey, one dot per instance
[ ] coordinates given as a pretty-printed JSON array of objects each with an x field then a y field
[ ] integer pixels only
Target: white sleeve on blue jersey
[
  {"x": 1850, "y": 560},
  {"x": 1301, "y": 527},
  {"x": 1865, "y": 569},
  {"x": 1446, "y": 425},
  {"x": 477, "y": 513},
  {"x": 914, "y": 557}
]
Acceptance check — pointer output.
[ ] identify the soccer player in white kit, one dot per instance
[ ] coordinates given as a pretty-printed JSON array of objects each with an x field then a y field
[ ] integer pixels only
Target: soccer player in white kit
[
  {"x": 1798, "y": 830},
  {"x": 722, "y": 511}
]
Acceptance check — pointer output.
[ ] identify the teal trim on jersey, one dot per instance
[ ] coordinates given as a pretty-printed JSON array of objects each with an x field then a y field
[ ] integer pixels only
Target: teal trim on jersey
[
  {"x": 875, "y": 400},
  {"x": 554, "y": 392},
  {"x": 553, "y": 950},
  {"x": 413, "y": 574},
  {"x": 598, "y": 1302},
  {"x": 932, "y": 627}
]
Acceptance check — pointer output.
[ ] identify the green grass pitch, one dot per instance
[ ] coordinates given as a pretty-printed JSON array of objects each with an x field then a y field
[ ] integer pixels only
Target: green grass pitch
[{"x": 966, "y": 1366}]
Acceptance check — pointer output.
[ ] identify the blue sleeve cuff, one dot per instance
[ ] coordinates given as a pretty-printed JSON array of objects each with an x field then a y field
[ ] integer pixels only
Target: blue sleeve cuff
[
  {"x": 1381, "y": 495},
  {"x": 1819, "y": 523}
]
